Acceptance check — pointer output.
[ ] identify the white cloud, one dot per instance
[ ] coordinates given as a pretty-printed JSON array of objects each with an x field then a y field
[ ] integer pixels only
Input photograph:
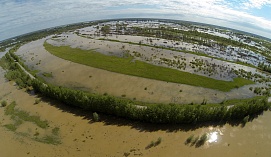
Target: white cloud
[
  {"x": 33, "y": 15},
  {"x": 256, "y": 3}
]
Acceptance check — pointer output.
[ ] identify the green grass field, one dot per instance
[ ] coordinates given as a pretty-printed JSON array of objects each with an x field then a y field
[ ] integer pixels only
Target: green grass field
[{"x": 141, "y": 69}]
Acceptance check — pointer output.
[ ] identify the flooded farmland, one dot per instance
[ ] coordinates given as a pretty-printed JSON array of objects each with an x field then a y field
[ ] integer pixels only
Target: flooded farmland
[
  {"x": 80, "y": 136},
  {"x": 69, "y": 74},
  {"x": 39, "y": 126}
]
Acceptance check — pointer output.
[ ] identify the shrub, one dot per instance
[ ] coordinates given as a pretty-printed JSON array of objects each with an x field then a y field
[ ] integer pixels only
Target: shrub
[
  {"x": 154, "y": 144},
  {"x": 189, "y": 139},
  {"x": 195, "y": 140},
  {"x": 159, "y": 140},
  {"x": 96, "y": 117},
  {"x": 4, "y": 103},
  {"x": 37, "y": 101},
  {"x": 245, "y": 120},
  {"x": 202, "y": 140}
]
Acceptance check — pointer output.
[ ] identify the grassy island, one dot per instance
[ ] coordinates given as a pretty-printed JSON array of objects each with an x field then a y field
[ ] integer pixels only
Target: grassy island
[{"x": 126, "y": 66}]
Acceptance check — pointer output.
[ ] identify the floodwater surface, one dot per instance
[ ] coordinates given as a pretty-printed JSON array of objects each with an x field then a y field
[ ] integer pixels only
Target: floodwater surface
[{"x": 80, "y": 136}]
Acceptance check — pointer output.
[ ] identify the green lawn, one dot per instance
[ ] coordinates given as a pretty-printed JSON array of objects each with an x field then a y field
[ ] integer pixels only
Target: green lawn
[{"x": 141, "y": 69}]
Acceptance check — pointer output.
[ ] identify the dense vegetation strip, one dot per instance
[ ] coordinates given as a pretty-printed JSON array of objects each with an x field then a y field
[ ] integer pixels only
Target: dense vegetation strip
[
  {"x": 14, "y": 71},
  {"x": 126, "y": 65},
  {"x": 155, "y": 113}
]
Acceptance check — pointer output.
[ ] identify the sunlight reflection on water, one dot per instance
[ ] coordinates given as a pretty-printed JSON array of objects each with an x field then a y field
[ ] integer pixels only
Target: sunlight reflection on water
[{"x": 214, "y": 135}]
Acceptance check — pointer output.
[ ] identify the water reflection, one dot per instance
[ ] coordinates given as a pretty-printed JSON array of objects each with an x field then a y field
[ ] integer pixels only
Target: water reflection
[
  {"x": 212, "y": 137},
  {"x": 215, "y": 135}
]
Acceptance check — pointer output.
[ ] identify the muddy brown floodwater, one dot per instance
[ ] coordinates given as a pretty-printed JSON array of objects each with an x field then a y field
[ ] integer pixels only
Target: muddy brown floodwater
[{"x": 80, "y": 136}]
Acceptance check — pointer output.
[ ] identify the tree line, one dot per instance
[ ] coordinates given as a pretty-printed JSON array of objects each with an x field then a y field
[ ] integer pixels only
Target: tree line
[{"x": 155, "y": 113}]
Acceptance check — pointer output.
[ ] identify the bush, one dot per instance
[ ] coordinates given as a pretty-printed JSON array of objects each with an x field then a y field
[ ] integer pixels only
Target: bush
[
  {"x": 245, "y": 120},
  {"x": 154, "y": 144},
  {"x": 202, "y": 140},
  {"x": 96, "y": 117},
  {"x": 37, "y": 101},
  {"x": 159, "y": 140},
  {"x": 195, "y": 140},
  {"x": 4, "y": 103},
  {"x": 189, "y": 139}
]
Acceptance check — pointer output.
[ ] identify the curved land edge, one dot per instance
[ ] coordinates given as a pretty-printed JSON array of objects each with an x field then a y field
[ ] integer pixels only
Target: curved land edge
[
  {"x": 126, "y": 65},
  {"x": 227, "y": 111}
]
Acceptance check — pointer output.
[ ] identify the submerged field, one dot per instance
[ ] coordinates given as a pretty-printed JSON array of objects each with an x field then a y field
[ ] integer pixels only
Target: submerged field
[
  {"x": 126, "y": 65},
  {"x": 81, "y": 136}
]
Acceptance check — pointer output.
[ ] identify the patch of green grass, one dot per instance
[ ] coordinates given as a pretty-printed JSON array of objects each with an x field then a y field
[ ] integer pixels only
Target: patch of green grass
[
  {"x": 240, "y": 101},
  {"x": 10, "y": 108},
  {"x": 19, "y": 117},
  {"x": 47, "y": 74},
  {"x": 11, "y": 127},
  {"x": 34, "y": 72},
  {"x": 141, "y": 69},
  {"x": 24, "y": 116},
  {"x": 55, "y": 131},
  {"x": 49, "y": 140},
  {"x": 35, "y": 119}
]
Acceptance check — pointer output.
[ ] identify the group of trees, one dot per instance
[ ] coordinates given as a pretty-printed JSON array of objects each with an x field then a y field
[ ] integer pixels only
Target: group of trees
[
  {"x": 265, "y": 67},
  {"x": 15, "y": 72},
  {"x": 105, "y": 29}
]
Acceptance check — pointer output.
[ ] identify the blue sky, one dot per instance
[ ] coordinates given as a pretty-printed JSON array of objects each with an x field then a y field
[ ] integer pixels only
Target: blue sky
[{"x": 22, "y": 16}]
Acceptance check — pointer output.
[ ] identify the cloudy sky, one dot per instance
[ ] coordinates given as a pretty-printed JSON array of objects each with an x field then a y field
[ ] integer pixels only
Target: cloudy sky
[{"x": 22, "y": 16}]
